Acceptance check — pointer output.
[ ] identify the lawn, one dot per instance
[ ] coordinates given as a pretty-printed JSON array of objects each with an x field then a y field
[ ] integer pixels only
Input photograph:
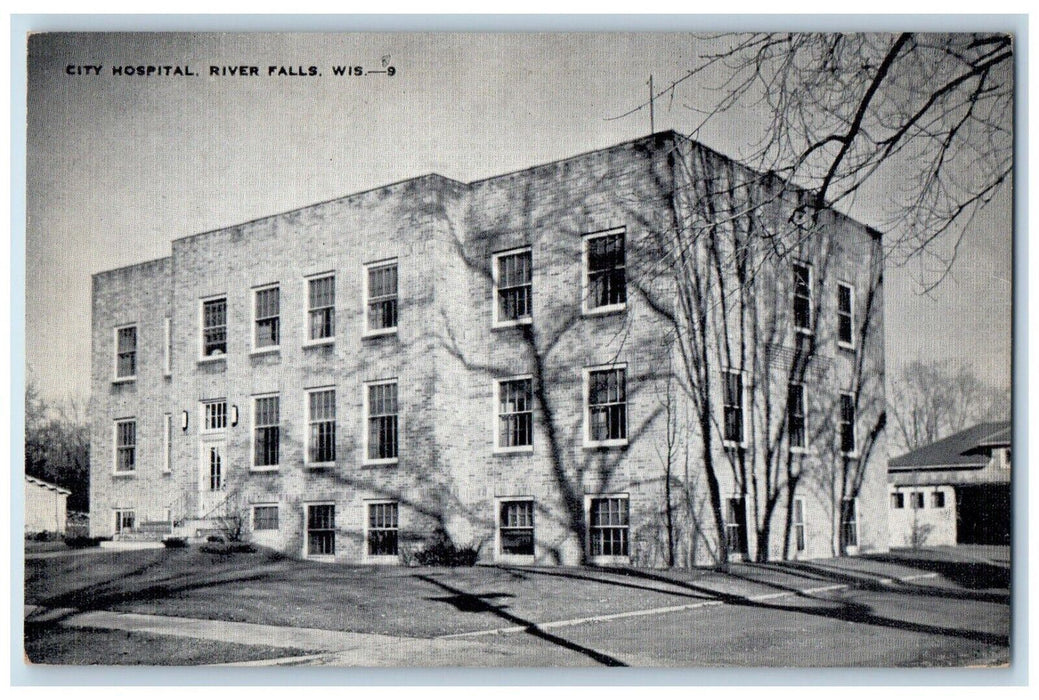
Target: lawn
[{"x": 51, "y": 644}]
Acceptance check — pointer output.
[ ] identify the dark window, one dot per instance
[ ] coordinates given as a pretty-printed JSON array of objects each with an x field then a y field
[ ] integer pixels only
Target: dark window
[
  {"x": 214, "y": 415},
  {"x": 124, "y": 521},
  {"x": 126, "y": 352},
  {"x": 382, "y": 421},
  {"x": 606, "y": 277},
  {"x": 214, "y": 327},
  {"x": 916, "y": 500},
  {"x": 514, "y": 286},
  {"x": 515, "y": 413},
  {"x": 799, "y": 524},
  {"x": 321, "y": 533},
  {"x": 736, "y": 525},
  {"x": 802, "y": 297},
  {"x": 268, "y": 432},
  {"x": 216, "y": 469},
  {"x": 517, "y": 527},
  {"x": 938, "y": 499},
  {"x": 847, "y": 426},
  {"x": 125, "y": 445},
  {"x": 322, "y": 299},
  {"x": 322, "y": 441},
  {"x": 268, "y": 324},
  {"x": 607, "y": 405},
  {"x": 733, "y": 406},
  {"x": 609, "y": 527},
  {"x": 849, "y": 523},
  {"x": 796, "y": 415},
  {"x": 898, "y": 500},
  {"x": 382, "y": 297},
  {"x": 382, "y": 529},
  {"x": 845, "y": 315},
  {"x": 265, "y": 517}
]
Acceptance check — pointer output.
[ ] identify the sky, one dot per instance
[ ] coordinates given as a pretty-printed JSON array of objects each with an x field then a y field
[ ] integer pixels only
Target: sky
[{"x": 120, "y": 165}]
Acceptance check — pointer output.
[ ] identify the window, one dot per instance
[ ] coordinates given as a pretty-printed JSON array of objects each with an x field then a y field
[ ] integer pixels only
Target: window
[
  {"x": 512, "y": 284},
  {"x": 799, "y": 524},
  {"x": 515, "y": 414},
  {"x": 125, "y": 521},
  {"x": 898, "y": 500},
  {"x": 268, "y": 323},
  {"x": 126, "y": 352},
  {"x": 846, "y": 315},
  {"x": 167, "y": 347},
  {"x": 736, "y": 525},
  {"x": 214, "y": 327},
  {"x": 125, "y": 446},
  {"x": 938, "y": 499},
  {"x": 609, "y": 526},
  {"x": 321, "y": 530},
  {"x": 796, "y": 417},
  {"x": 265, "y": 517},
  {"x": 849, "y": 523},
  {"x": 606, "y": 419},
  {"x": 381, "y": 409},
  {"x": 802, "y": 298},
  {"x": 267, "y": 435},
  {"x": 516, "y": 528},
  {"x": 382, "y": 529},
  {"x": 916, "y": 500},
  {"x": 847, "y": 424},
  {"x": 733, "y": 406},
  {"x": 167, "y": 442},
  {"x": 321, "y": 420},
  {"x": 321, "y": 302},
  {"x": 604, "y": 272},
  {"x": 381, "y": 297},
  {"x": 215, "y": 468},
  {"x": 214, "y": 415}
]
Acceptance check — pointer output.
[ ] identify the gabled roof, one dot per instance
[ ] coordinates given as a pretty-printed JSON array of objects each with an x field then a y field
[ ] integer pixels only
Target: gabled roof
[
  {"x": 47, "y": 485},
  {"x": 962, "y": 450}
]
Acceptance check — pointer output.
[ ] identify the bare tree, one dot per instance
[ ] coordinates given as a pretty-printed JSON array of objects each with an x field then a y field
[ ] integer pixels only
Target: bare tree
[
  {"x": 930, "y": 115},
  {"x": 57, "y": 444},
  {"x": 931, "y": 400}
]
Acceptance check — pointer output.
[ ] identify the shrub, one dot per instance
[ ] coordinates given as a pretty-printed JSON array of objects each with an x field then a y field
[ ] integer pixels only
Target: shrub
[
  {"x": 44, "y": 536},
  {"x": 441, "y": 551},
  {"x": 216, "y": 538},
  {"x": 82, "y": 542},
  {"x": 175, "y": 542},
  {"x": 227, "y": 548}
]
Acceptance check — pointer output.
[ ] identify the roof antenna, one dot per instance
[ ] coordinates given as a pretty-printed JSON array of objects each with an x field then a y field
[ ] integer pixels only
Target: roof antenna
[{"x": 652, "y": 128}]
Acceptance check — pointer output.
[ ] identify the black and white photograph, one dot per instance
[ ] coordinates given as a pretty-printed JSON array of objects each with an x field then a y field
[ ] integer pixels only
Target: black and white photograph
[{"x": 519, "y": 350}]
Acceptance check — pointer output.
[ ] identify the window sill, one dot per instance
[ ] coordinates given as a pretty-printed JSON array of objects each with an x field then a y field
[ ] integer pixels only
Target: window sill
[
  {"x": 326, "y": 558},
  {"x": 125, "y": 474},
  {"x": 516, "y": 559},
  {"x": 212, "y": 358},
  {"x": 733, "y": 445},
  {"x": 382, "y": 559},
  {"x": 380, "y": 462},
  {"x": 802, "y": 451},
  {"x": 850, "y": 455},
  {"x": 518, "y": 323},
  {"x": 124, "y": 380},
  {"x": 605, "y": 310},
  {"x": 379, "y": 333},
  {"x": 274, "y": 349},
  {"x": 262, "y": 470},
  {"x": 319, "y": 465},
  {"x": 611, "y": 560},
  {"x": 605, "y": 444},
  {"x": 319, "y": 343},
  {"x": 804, "y": 331},
  {"x": 850, "y": 347},
  {"x": 167, "y": 472},
  {"x": 506, "y": 451}
]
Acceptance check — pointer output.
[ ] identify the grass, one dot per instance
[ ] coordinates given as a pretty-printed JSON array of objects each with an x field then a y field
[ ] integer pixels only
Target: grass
[{"x": 51, "y": 644}]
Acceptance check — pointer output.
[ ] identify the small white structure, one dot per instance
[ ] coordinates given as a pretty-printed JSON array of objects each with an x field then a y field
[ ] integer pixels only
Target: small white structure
[{"x": 45, "y": 505}]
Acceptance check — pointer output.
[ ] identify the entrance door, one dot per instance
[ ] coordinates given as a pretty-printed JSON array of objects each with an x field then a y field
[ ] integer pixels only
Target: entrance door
[{"x": 212, "y": 476}]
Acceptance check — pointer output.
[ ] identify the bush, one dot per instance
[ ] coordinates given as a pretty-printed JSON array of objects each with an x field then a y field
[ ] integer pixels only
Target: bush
[
  {"x": 44, "y": 536},
  {"x": 82, "y": 542},
  {"x": 441, "y": 551},
  {"x": 216, "y": 538},
  {"x": 175, "y": 542},
  {"x": 227, "y": 548}
]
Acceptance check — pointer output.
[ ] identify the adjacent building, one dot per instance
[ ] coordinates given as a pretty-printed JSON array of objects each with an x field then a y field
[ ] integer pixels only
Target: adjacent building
[
  {"x": 497, "y": 360},
  {"x": 45, "y": 506},
  {"x": 954, "y": 491}
]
